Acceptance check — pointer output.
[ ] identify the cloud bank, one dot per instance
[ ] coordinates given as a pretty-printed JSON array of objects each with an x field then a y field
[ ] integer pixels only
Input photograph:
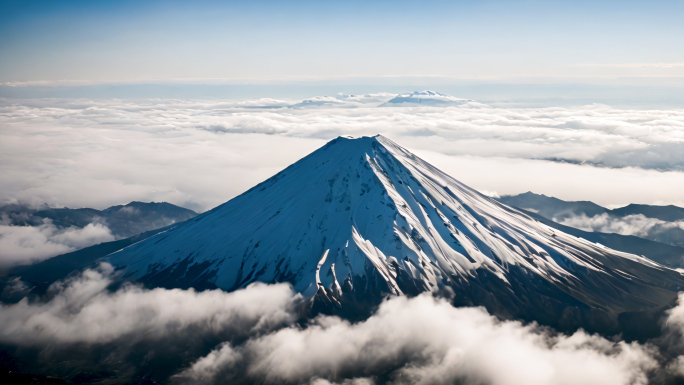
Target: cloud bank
[
  {"x": 255, "y": 335},
  {"x": 82, "y": 326},
  {"x": 200, "y": 153},
  {"x": 426, "y": 341},
  {"x": 82, "y": 310},
  {"x": 24, "y": 245},
  {"x": 637, "y": 224}
]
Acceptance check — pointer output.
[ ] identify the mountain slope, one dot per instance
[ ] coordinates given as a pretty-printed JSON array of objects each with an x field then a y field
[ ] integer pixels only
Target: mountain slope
[{"x": 359, "y": 219}]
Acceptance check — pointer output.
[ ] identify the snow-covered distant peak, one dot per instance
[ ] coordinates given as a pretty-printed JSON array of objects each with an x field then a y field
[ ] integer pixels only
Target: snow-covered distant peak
[{"x": 429, "y": 98}]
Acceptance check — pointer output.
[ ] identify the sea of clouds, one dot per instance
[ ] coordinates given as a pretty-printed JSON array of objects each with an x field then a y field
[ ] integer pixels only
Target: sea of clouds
[
  {"x": 200, "y": 153},
  {"x": 258, "y": 335}
]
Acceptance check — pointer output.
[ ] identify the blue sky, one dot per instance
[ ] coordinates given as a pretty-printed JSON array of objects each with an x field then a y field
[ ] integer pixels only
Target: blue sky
[{"x": 84, "y": 42}]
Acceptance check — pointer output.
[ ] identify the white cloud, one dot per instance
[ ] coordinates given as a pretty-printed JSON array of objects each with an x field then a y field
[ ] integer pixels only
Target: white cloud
[
  {"x": 420, "y": 340},
  {"x": 637, "y": 224},
  {"x": 23, "y": 245},
  {"x": 98, "y": 153},
  {"x": 200, "y": 153},
  {"x": 91, "y": 234},
  {"x": 426, "y": 341},
  {"x": 492, "y": 194},
  {"x": 82, "y": 310},
  {"x": 675, "y": 318},
  {"x": 672, "y": 340}
]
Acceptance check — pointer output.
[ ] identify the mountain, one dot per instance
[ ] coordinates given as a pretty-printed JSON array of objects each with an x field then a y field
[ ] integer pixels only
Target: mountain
[
  {"x": 360, "y": 219},
  {"x": 664, "y": 224},
  {"x": 123, "y": 220},
  {"x": 552, "y": 208},
  {"x": 668, "y": 213},
  {"x": 428, "y": 98}
]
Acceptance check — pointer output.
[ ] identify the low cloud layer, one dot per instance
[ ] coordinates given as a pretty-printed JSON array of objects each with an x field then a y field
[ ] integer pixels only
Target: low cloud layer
[
  {"x": 82, "y": 326},
  {"x": 81, "y": 310},
  {"x": 637, "y": 224},
  {"x": 426, "y": 341},
  {"x": 200, "y": 153},
  {"x": 24, "y": 245},
  {"x": 254, "y": 335}
]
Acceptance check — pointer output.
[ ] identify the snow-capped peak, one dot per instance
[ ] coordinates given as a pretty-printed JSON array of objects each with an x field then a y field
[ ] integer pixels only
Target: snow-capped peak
[{"x": 359, "y": 219}]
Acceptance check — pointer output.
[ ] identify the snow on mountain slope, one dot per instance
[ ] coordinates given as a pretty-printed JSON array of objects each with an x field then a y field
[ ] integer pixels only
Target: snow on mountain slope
[
  {"x": 429, "y": 98},
  {"x": 359, "y": 219}
]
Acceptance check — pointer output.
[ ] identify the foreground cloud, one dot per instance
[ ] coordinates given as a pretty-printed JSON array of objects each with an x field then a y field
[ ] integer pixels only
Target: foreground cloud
[
  {"x": 24, "y": 245},
  {"x": 256, "y": 335},
  {"x": 82, "y": 310},
  {"x": 426, "y": 341}
]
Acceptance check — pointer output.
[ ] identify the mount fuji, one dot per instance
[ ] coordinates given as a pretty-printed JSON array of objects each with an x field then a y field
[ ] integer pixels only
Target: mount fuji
[{"x": 362, "y": 219}]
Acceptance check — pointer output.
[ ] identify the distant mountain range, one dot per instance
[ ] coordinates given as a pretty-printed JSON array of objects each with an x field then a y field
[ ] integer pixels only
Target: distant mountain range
[
  {"x": 123, "y": 220},
  {"x": 656, "y": 223}
]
